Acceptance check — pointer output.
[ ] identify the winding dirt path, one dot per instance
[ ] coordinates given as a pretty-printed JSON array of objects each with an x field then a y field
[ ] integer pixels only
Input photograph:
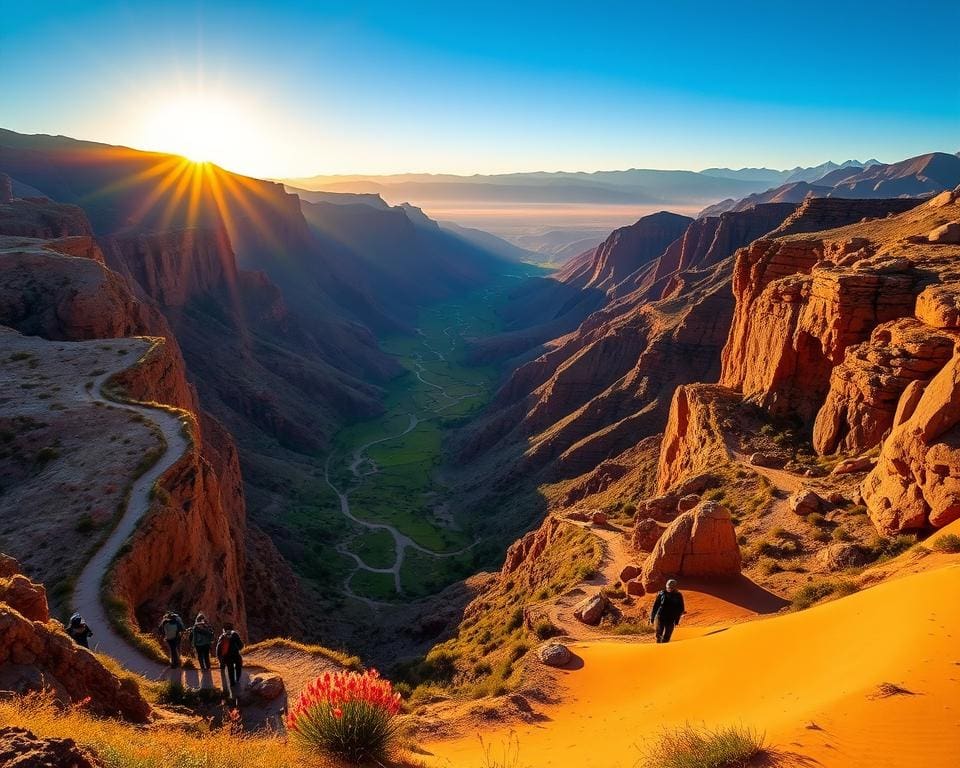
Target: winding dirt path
[
  {"x": 401, "y": 541},
  {"x": 87, "y": 593}
]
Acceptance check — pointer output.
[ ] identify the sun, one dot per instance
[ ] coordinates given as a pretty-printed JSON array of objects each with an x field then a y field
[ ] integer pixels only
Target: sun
[{"x": 201, "y": 129}]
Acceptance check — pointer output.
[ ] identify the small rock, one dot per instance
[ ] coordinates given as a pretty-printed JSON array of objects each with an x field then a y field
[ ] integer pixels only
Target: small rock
[
  {"x": 814, "y": 472},
  {"x": 688, "y": 502},
  {"x": 635, "y": 588},
  {"x": 805, "y": 502},
  {"x": 948, "y": 234},
  {"x": 598, "y": 518},
  {"x": 849, "y": 466},
  {"x": 629, "y": 572},
  {"x": 555, "y": 654},
  {"x": 266, "y": 686},
  {"x": 520, "y": 702},
  {"x": 836, "y": 497},
  {"x": 591, "y": 610}
]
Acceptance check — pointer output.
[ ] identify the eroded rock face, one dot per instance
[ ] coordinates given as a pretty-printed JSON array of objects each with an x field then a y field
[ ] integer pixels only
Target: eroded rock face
[
  {"x": 916, "y": 483},
  {"x": 38, "y": 654},
  {"x": 939, "y": 306},
  {"x": 800, "y": 304},
  {"x": 531, "y": 546},
  {"x": 25, "y": 597},
  {"x": 701, "y": 542},
  {"x": 866, "y": 387},
  {"x": 19, "y": 748},
  {"x": 646, "y": 534},
  {"x": 693, "y": 441}
]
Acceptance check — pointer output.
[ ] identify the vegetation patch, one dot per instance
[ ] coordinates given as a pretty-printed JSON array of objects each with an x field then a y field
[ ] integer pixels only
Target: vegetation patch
[{"x": 690, "y": 746}]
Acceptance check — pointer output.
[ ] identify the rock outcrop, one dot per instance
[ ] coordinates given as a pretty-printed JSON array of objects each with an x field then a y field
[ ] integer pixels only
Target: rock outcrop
[
  {"x": 866, "y": 387},
  {"x": 19, "y": 748},
  {"x": 699, "y": 543},
  {"x": 36, "y": 654},
  {"x": 916, "y": 482}
]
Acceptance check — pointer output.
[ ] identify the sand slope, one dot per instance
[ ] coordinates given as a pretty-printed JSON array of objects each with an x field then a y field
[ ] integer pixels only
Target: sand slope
[{"x": 809, "y": 680}]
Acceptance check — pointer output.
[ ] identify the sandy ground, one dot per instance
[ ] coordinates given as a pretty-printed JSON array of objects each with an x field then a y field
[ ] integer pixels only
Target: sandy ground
[{"x": 809, "y": 680}]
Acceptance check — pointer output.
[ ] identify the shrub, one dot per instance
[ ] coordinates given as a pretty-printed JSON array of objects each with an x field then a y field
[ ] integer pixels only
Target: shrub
[
  {"x": 699, "y": 747},
  {"x": 816, "y": 591},
  {"x": 545, "y": 629},
  {"x": 346, "y": 715},
  {"x": 949, "y": 543}
]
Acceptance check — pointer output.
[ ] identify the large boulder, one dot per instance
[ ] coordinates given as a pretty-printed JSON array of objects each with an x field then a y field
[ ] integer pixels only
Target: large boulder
[
  {"x": 688, "y": 502},
  {"x": 852, "y": 466},
  {"x": 19, "y": 748},
  {"x": 948, "y": 234},
  {"x": 646, "y": 534},
  {"x": 554, "y": 654},
  {"x": 591, "y": 610},
  {"x": 701, "y": 542},
  {"x": 839, "y": 557},
  {"x": 806, "y": 502},
  {"x": 628, "y": 572},
  {"x": 634, "y": 588}
]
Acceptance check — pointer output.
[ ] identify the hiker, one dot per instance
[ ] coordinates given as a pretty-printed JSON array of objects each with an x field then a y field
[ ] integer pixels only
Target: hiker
[
  {"x": 201, "y": 638},
  {"x": 229, "y": 646},
  {"x": 79, "y": 631},
  {"x": 667, "y": 610},
  {"x": 171, "y": 630}
]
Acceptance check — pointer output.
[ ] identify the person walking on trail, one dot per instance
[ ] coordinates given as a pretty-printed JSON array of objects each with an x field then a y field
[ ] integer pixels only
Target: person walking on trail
[
  {"x": 229, "y": 646},
  {"x": 667, "y": 610},
  {"x": 79, "y": 631},
  {"x": 201, "y": 638},
  {"x": 171, "y": 630}
]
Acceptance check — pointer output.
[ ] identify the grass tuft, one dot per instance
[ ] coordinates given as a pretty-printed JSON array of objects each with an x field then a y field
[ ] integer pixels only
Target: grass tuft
[
  {"x": 948, "y": 543},
  {"x": 690, "y": 746}
]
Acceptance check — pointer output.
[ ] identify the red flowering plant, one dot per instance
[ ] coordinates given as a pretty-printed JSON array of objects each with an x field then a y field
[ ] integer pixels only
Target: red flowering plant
[{"x": 346, "y": 714}]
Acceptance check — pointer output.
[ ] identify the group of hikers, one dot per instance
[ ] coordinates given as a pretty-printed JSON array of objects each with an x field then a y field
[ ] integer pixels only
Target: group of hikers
[{"x": 201, "y": 636}]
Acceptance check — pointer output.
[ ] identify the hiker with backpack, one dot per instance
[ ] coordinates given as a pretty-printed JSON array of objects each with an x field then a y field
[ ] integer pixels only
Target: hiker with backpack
[
  {"x": 229, "y": 646},
  {"x": 171, "y": 630},
  {"x": 667, "y": 610},
  {"x": 79, "y": 631},
  {"x": 201, "y": 638}
]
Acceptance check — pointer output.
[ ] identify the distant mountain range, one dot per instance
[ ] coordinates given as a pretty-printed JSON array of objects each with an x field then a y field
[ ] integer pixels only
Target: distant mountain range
[
  {"x": 914, "y": 177},
  {"x": 799, "y": 173}
]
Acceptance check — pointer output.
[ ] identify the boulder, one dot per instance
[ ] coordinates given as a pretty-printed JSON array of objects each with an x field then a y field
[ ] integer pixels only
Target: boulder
[
  {"x": 598, "y": 518},
  {"x": 629, "y": 572},
  {"x": 805, "y": 502},
  {"x": 19, "y": 748},
  {"x": 658, "y": 507},
  {"x": 634, "y": 587},
  {"x": 761, "y": 459},
  {"x": 838, "y": 557},
  {"x": 591, "y": 610},
  {"x": 688, "y": 502},
  {"x": 24, "y": 596},
  {"x": 851, "y": 466},
  {"x": 265, "y": 686},
  {"x": 554, "y": 654},
  {"x": 8, "y": 566},
  {"x": 646, "y": 534},
  {"x": 948, "y": 234},
  {"x": 700, "y": 542},
  {"x": 836, "y": 497},
  {"x": 939, "y": 306}
]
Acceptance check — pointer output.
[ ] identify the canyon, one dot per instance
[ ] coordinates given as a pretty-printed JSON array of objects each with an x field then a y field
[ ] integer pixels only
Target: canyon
[{"x": 339, "y": 421}]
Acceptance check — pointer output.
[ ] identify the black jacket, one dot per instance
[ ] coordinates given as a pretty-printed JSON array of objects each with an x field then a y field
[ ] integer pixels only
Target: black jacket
[{"x": 668, "y": 606}]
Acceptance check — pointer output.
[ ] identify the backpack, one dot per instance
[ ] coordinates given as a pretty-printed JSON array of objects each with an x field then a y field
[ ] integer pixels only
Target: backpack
[
  {"x": 171, "y": 630},
  {"x": 223, "y": 646}
]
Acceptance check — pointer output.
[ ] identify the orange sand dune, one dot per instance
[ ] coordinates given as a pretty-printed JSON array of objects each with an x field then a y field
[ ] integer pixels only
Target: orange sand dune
[{"x": 809, "y": 680}]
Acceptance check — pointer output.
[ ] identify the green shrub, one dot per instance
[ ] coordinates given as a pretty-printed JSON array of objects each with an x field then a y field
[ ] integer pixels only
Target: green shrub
[
  {"x": 699, "y": 747},
  {"x": 545, "y": 629},
  {"x": 814, "y": 592},
  {"x": 949, "y": 543}
]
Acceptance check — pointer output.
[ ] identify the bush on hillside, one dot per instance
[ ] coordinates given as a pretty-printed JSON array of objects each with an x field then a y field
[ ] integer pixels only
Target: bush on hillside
[
  {"x": 949, "y": 543},
  {"x": 690, "y": 746},
  {"x": 346, "y": 715}
]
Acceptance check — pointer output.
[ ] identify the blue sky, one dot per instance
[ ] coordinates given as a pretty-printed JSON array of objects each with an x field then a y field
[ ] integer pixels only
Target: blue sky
[{"x": 319, "y": 87}]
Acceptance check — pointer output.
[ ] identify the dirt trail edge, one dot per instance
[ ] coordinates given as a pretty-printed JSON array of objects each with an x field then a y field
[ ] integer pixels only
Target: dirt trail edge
[{"x": 87, "y": 593}]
